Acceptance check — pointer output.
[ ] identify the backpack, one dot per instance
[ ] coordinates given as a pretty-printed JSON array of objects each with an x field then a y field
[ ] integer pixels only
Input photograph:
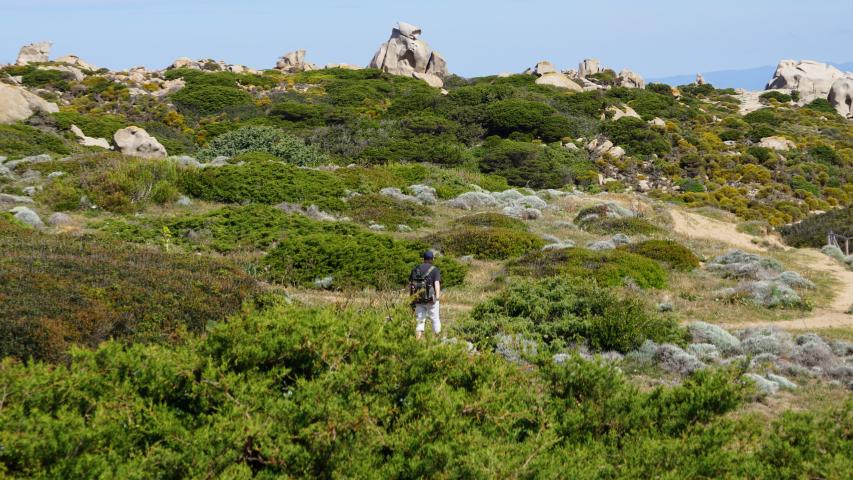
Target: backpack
[{"x": 421, "y": 290}]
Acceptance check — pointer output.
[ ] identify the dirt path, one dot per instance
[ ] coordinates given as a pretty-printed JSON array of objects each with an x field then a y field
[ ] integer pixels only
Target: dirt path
[
  {"x": 694, "y": 225},
  {"x": 698, "y": 226}
]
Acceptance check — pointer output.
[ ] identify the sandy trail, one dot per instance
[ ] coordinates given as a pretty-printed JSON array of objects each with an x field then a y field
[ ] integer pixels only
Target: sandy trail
[
  {"x": 698, "y": 226},
  {"x": 694, "y": 225}
]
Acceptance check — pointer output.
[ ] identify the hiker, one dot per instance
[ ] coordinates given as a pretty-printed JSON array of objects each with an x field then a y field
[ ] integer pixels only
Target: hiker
[{"x": 425, "y": 288}]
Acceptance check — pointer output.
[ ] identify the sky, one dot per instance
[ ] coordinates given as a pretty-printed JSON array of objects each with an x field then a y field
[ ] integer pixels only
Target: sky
[{"x": 656, "y": 38}]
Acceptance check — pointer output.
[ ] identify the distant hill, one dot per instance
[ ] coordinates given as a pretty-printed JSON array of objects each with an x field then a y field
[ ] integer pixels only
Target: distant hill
[{"x": 750, "y": 78}]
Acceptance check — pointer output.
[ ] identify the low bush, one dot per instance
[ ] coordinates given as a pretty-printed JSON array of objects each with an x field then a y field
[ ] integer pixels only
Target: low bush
[
  {"x": 821, "y": 105},
  {"x": 209, "y": 99},
  {"x": 672, "y": 254},
  {"x": 531, "y": 165},
  {"x": 387, "y": 211},
  {"x": 266, "y": 182},
  {"x": 60, "y": 291},
  {"x": 232, "y": 228},
  {"x": 493, "y": 243},
  {"x": 22, "y": 140},
  {"x": 354, "y": 258},
  {"x": 297, "y": 392},
  {"x": 114, "y": 183},
  {"x": 491, "y": 220},
  {"x": 100, "y": 126},
  {"x": 777, "y": 96},
  {"x": 610, "y": 268},
  {"x": 636, "y": 136},
  {"x": 626, "y": 225},
  {"x": 561, "y": 311},
  {"x": 270, "y": 140}
]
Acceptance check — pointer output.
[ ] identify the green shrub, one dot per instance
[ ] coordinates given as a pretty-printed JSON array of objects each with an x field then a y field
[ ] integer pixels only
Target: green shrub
[
  {"x": 765, "y": 115},
  {"x": 825, "y": 154},
  {"x": 611, "y": 268},
  {"x": 232, "y": 228},
  {"x": 628, "y": 226},
  {"x": 262, "y": 139},
  {"x": 531, "y": 165},
  {"x": 821, "y": 105},
  {"x": 488, "y": 243},
  {"x": 354, "y": 258},
  {"x": 559, "y": 311},
  {"x": 22, "y": 140},
  {"x": 71, "y": 291},
  {"x": 100, "y": 126},
  {"x": 636, "y": 136},
  {"x": 506, "y": 117},
  {"x": 209, "y": 99},
  {"x": 670, "y": 253},
  {"x": 777, "y": 96},
  {"x": 114, "y": 183},
  {"x": 47, "y": 78},
  {"x": 298, "y": 392},
  {"x": 491, "y": 220},
  {"x": 265, "y": 182},
  {"x": 387, "y": 211}
]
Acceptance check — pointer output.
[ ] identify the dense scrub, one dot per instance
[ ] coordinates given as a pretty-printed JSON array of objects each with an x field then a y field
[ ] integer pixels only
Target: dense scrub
[
  {"x": 670, "y": 253},
  {"x": 347, "y": 257},
  {"x": 110, "y": 182},
  {"x": 608, "y": 267},
  {"x": 812, "y": 231},
  {"x": 59, "y": 291},
  {"x": 325, "y": 393},
  {"x": 491, "y": 219},
  {"x": 267, "y": 182},
  {"x": 561, "y": 311},
  {"x": 495, "y": 243},
  {"x": 386, "y": 211}
]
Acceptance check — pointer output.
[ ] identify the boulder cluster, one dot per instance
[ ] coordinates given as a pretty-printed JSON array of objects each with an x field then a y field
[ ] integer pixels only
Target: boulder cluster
[
  {"x": 407, "y": 55},
  {"x": 815, "y": 80},
  {"x": 583, "y": 79}
]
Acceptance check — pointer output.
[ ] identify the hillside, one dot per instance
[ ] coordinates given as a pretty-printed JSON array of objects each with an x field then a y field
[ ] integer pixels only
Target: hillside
[{"x": 203, "y": 272}]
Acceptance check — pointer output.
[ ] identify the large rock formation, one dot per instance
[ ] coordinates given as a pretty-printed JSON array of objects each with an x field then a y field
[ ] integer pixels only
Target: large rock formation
[
  {"x": 589, "y": 66},
  {"x": 33, "y": 53},
  {"x": 293, "y": 62},
  {"x": 548, "y": 75},
  {"x": 137, "y": 142},
  {"x": 812, "y": 79},
  {"x": 76, "y": 61},
  {"x": 630, "y": 79},
  {"x": 407, "y": 55},
  {"x": 18, "y": 104},
  {"x": 841, "y": 96}
]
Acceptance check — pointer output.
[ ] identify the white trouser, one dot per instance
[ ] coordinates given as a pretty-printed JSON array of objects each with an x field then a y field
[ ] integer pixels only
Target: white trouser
[{"x": 430, "y": 309}]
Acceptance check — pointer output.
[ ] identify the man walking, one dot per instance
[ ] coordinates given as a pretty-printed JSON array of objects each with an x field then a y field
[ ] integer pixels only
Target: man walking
[{"x": 425, "y": 288}]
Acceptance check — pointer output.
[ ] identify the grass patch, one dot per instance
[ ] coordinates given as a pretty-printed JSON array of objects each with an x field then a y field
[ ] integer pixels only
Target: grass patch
[{"x": 612, "y": 268}]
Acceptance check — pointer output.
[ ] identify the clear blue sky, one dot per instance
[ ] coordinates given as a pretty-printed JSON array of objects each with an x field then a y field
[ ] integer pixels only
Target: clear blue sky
[{"x": 654, "y": 37}]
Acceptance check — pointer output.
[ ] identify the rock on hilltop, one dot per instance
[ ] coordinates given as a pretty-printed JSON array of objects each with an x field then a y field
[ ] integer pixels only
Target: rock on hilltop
[
  {"x": 812, "y": 79},
  {"x": 407, "y": 55}
]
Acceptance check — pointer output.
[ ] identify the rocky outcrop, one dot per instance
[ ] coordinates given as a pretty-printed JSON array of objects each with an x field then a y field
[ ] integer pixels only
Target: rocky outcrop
[
  {"x": 781, "y": 144},
  {"x": 559, "y": 80},
  {"x": 89, "y": 141},
  {"x": 137, "y": 142},
  {"x": 630, "y": 79},
  {"x": 548, "y": 75},
  {"x": 841, "y": 96},
  {"x": 407, "y": 55},
  {"x": 812, "y": 79},
  {"x": 589, "y": 66},
  {"x": 210, "y": 65},
  {"x": 38, "y": 52},
  {"x": 17, "y": 104},
  {"x": 700, "y": 80},
  {"x": 76, "y": 61},
  {"x": 293, "y": 62},
  {"x": 68, "y": 70}
]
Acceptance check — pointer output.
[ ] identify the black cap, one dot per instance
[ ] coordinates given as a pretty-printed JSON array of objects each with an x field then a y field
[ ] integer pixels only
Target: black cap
[{"x": 429, "y": 255}]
